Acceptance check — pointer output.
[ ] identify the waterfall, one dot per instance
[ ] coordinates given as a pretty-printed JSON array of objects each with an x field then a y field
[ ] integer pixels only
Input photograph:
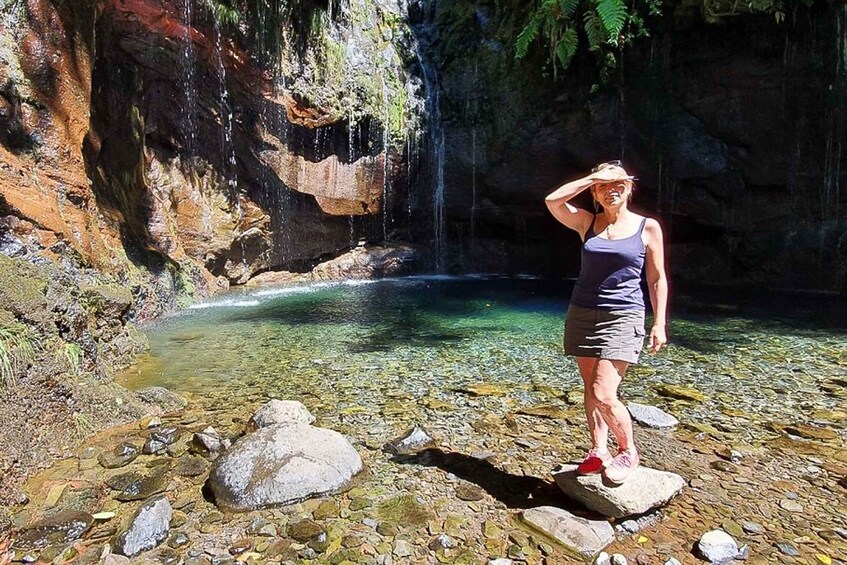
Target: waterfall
[
  {"x": 189, "y": 110},
  {"x": 386, "y": 141},
  {"x": 228, "y": 160},
  {"x": 436, "y": 137}
]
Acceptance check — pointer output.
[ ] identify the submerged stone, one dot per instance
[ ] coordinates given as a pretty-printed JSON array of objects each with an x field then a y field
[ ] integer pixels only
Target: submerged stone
[
  {"x": 415, "y": 439},
  {"x": 584, "y": 536},
  {"x": 483, "y": 389},
  {"x": 807, "y": 431},
  {"x": 545, "y": 411},
  {"x": 651, "y": 416},
  {"x": 60, "y": 528},
  {"x": 403, "y": 510},
  {"x": 644, "y": 490},
  {"x": 281, "y": 465},
  {"x": 680, "y": 392}
]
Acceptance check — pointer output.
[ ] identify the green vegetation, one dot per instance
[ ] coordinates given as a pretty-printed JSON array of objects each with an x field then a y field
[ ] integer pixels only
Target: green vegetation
[
  {"x": 73, "y": 356},
  {"x": 606, "y": 26},
  {"x": 17, "y": 350}
]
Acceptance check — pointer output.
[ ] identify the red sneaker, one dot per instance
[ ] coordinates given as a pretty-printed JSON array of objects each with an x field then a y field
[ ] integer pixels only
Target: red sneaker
[{"x": 594, "y": 462}]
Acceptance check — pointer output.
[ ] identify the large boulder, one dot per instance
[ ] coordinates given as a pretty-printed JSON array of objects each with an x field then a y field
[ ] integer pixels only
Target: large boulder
[
  {"x": 282, "y": 464},
  {"x": 644, "y": 490},
  {"x": 584, "y": 536}
]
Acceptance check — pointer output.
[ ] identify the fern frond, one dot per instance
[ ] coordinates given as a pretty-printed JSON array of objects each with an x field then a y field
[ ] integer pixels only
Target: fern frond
[
  {"x": 568, "y": 7},
  {"x": 528, "y": 35},
  {"x": 566, "y": 47},
  {"x": 594, "y": 30},
  {"x": 613, "y": 14}
]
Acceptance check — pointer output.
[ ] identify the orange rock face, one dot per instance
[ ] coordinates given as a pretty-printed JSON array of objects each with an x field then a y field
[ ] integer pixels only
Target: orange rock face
[{"x": 99, "y": 164}]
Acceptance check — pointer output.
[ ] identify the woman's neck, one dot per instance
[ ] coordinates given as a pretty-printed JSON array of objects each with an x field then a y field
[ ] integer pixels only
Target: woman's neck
[{"x": 612, "y": 215}]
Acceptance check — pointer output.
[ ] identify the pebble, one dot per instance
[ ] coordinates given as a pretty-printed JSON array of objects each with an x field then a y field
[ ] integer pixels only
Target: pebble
[
  {"x": 752, "y": 527},
  {"x": 788, "y": 549},
  {"x": 630, "y": 526},
  {"x": 602, "y": 559},
  {"x": 673, "y": 561},
  {"x": 618, "y": 559},
  {"x": 790, "y": 505},
  {"x": 402, "y": 548},
  {"x": 717, "y": 546}
]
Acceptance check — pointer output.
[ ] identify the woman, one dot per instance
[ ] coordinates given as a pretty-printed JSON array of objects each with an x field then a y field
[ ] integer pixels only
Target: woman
[{"x": 605, "y": 320}]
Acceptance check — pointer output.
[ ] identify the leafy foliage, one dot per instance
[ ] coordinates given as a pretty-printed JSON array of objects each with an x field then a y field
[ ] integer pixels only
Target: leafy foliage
[{"x": 605, "y": 26}]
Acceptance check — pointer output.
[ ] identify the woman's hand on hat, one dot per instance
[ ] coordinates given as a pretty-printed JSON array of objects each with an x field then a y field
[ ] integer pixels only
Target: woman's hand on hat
[{"x": 609, "y": 173}]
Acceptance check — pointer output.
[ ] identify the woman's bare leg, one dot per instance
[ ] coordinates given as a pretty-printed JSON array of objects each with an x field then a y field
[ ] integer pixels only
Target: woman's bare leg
[
  {"x": 597, "y": 427},
  {"x": 605, "y": 380}
]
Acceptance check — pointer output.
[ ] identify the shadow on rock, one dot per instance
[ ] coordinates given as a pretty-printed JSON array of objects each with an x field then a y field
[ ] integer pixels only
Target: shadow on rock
[{"x": 515, "y": 491}]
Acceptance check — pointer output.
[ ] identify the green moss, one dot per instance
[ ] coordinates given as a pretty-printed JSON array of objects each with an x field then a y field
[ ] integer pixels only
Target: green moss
[{"x": 22, "y": 286}]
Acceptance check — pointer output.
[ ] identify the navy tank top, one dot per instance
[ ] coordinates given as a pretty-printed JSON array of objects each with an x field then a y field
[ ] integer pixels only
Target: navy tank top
[{"x": 610, "y": 277}]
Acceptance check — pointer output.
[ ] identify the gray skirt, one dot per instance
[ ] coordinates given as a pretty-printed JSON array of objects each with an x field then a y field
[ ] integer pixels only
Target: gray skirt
[{"x": 607, "y": 334}]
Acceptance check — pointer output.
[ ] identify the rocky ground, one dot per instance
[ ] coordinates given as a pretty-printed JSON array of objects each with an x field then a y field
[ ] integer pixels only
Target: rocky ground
[{"x": 459, "y": 499}]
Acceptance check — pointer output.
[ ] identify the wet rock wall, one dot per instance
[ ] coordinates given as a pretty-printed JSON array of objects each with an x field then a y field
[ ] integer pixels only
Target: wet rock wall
[{"x": 735, "y": 130}]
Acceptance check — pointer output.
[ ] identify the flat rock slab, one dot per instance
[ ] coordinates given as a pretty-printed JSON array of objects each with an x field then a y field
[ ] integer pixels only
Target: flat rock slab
[
  {"x": 282, "y": 464},
  {"x": 644, "y": 490},
  {"x": 581, "y": 535},
  {"x": 651, "y": 416}
]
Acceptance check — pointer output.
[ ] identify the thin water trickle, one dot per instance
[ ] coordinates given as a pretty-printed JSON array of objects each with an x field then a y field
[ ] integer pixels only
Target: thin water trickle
[
  {"x": 437, "y": 136},
  {"x": 189, "y": 110},
  {"x": 228, "y": 158}
]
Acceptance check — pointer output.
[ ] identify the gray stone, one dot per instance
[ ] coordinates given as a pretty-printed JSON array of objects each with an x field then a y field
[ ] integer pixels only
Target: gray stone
[
  {"x": 122, "y": 454},
  {"x": 651, "y": 416},
  {"x": 618, "y": 559},
  {"x": 788, "y": 549},
  {"x": 644, "y": 490},
  {"x": 500, "y": 561},
  {"x": 403, "y": 548},
  {"x": 603, "y": 559},
  {"x": 415, "y": 439},
  {"x": 743, "y": 553},
  {"x": 113, "y": 559},
  {"x": 281, "y": 465},
  {"x": 162, "y": 397},
  {"x": 630, "y": 526},
  {"x": 147, "y": 528},
  {"x": 673, "y": 561},
  {"x": 208, "y": 441},
  {"x": 752, "y": 527},
  {"x": 281, "y": 412},
  {"x": 717, "y": 546},
  {"x": 586, "y": 537}
]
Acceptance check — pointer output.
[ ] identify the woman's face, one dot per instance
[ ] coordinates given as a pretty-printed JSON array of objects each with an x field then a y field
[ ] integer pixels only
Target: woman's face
[{"x": 612, "y": 194}]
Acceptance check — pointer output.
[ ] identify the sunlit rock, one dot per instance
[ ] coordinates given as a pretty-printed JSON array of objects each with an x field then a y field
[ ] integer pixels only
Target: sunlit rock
[
  {"x": 281, "y": 465},
  {"x": 643, "y": 490},
  {"x": 148, "y": 528},
  {"x": 415, "y": 439},
  {"x": 586, "y": 537},
  {"x": 281, "y": 412}
]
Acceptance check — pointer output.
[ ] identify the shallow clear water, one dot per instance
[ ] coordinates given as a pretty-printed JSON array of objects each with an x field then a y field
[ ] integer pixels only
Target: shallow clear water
[{"x": 381, "y": 353}]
